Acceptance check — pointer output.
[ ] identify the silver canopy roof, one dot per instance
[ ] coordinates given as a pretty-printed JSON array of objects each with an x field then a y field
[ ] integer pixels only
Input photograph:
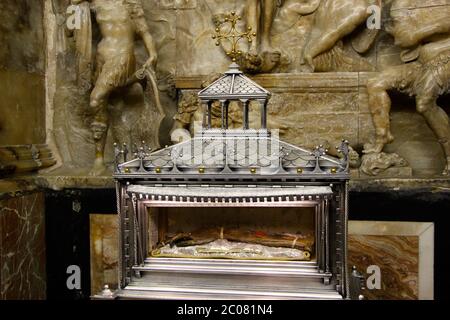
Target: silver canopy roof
[
  {"x": 234, "y": 155},
  {"x": 234, "y": 85}
]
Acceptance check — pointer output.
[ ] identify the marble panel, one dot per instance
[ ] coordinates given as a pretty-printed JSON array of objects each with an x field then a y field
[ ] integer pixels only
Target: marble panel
[
  {"x": 404, "y": 252},
  {"x": 104, "y": 230},
  {"x": 22, "y": 248}
]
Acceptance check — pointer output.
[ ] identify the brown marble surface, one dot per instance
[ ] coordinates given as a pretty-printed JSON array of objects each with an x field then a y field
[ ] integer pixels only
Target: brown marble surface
[
  {"x": 104, "y": 231},
  {"x": 22, "y": 248},
  {"x": 398, "y": 259}
]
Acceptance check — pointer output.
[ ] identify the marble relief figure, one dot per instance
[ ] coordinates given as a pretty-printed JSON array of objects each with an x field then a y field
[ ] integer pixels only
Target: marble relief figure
[
  {"x": 261, "y": 57},
  {"x": 423, "y": 32},
  {"x": 260, "y": 14},
  {"x": 324, "y": 48},
  {"x": 334, "y": 20},
  {"x": 115, "y": 63}
]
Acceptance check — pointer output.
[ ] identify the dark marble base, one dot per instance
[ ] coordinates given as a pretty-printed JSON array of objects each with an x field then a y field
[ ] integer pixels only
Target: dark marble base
[
  {"x": 69, "y": 238},
  {"x": 22, "y": 248}
]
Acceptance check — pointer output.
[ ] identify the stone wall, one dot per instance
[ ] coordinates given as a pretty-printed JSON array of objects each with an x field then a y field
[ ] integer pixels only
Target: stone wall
[
  {"x": 22, "y": 72},
  {"x": 22, "y": 123}
]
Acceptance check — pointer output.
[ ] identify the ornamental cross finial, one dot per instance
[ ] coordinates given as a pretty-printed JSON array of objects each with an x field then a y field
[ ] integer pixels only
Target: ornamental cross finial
[
  {"x": 318, "y": 152},
  {"x": 232, "y": 35}
]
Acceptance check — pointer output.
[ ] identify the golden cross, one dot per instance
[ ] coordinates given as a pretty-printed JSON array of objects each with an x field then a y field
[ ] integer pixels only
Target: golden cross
[{"x": 233, "y": 35}]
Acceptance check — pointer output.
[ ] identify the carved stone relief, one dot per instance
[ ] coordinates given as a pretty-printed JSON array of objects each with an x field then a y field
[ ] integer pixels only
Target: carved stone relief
[
  {"x": 425, "y": 73},
  {"x": 129, "y": 107},
  {"x": 319, "y": 82}
]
